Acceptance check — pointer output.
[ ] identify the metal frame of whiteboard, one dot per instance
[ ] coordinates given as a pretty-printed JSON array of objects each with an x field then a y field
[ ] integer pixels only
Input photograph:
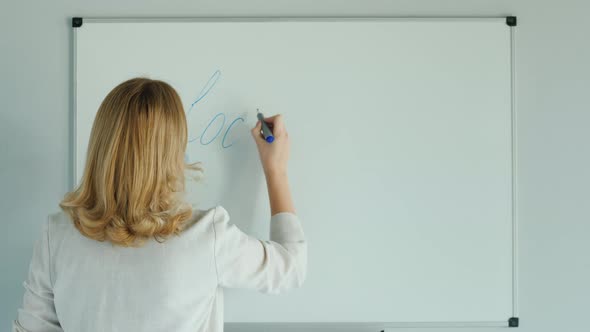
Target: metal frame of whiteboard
[{"x": 366, "y": 326}]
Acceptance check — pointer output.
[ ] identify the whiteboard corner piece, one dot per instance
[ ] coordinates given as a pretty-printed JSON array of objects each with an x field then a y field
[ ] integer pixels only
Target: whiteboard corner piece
[
  {"x": 77, "y": 22},
  {"x": 511, "y": 21}
]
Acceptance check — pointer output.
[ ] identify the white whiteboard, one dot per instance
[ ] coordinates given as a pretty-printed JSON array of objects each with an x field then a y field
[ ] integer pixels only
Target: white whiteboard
[{"x": 402, "y": 151}]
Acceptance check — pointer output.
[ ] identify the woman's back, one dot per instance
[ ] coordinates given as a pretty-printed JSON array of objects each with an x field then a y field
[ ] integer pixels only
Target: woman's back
[
  {"x": 176, "y": 285},
  {"x": 102, "y": 287}
]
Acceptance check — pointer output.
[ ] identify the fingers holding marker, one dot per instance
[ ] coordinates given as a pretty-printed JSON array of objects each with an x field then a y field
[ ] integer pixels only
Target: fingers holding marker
[
  {"x": 277, "y": 124},
  {"x": 274, "y": 153},
  {"x": 266, "y": 127},
  {"x": 256, "y": 130}
]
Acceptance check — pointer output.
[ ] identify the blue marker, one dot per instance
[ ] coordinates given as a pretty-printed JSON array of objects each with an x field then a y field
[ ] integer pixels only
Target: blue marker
[{"x": 266, "y": 132}]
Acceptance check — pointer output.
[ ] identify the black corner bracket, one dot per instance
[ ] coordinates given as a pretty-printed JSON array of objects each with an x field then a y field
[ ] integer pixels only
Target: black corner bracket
[
  {"x": 513, "y": 322},
  {"x": 76, "y": 22},
  {"x": 511, "y": 21}
]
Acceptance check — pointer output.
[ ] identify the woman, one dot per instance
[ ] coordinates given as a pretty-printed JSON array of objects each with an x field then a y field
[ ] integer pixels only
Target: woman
[{"x": 126, "y": 253}]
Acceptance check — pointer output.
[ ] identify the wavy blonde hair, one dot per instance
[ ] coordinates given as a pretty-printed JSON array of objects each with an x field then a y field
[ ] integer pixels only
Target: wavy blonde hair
[{"x": 133, "y": 182}]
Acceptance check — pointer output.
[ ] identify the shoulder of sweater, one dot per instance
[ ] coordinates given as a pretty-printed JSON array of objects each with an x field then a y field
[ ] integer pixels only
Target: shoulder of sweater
[{"x": 203, "y": 218}]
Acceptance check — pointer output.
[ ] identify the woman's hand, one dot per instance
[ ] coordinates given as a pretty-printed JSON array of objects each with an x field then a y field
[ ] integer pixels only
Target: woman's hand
[{"x": 273, "y": 156}]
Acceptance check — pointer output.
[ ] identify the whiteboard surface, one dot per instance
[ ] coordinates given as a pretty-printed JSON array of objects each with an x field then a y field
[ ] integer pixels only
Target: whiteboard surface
[{"x": 401, "y": 164}]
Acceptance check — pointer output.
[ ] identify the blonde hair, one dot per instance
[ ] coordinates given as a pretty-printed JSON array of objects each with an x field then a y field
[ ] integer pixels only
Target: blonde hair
[{"x": 133, "y": 182}]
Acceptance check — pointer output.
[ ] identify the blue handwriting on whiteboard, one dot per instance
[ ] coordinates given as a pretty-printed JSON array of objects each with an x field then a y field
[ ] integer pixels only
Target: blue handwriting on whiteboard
[{"x": 204, "y": 91}]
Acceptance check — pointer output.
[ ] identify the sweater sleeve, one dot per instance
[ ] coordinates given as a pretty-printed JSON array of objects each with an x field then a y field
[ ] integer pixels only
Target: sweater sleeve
[
  {"x": 243, "y": 261},
  {"x": 38, "y": 310}
]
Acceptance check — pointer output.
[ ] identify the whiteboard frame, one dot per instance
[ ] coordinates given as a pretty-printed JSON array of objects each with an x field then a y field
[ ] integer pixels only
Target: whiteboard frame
[{"x": 338, "y": 326}]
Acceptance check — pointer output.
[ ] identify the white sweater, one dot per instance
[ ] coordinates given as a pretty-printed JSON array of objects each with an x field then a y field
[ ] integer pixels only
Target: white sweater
[{"x": 79, "y": 284}]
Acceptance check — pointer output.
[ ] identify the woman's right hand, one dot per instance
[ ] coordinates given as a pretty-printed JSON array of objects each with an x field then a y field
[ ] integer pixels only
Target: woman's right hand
[{"x": 273, "y": 156}]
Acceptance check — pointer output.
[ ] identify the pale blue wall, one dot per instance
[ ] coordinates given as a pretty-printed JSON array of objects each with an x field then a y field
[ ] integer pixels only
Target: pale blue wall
[{"x": 553, "y": 73}]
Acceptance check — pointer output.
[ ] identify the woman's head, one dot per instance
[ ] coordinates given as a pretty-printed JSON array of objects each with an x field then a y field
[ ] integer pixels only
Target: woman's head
[{"x": 133, "y": 179}]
